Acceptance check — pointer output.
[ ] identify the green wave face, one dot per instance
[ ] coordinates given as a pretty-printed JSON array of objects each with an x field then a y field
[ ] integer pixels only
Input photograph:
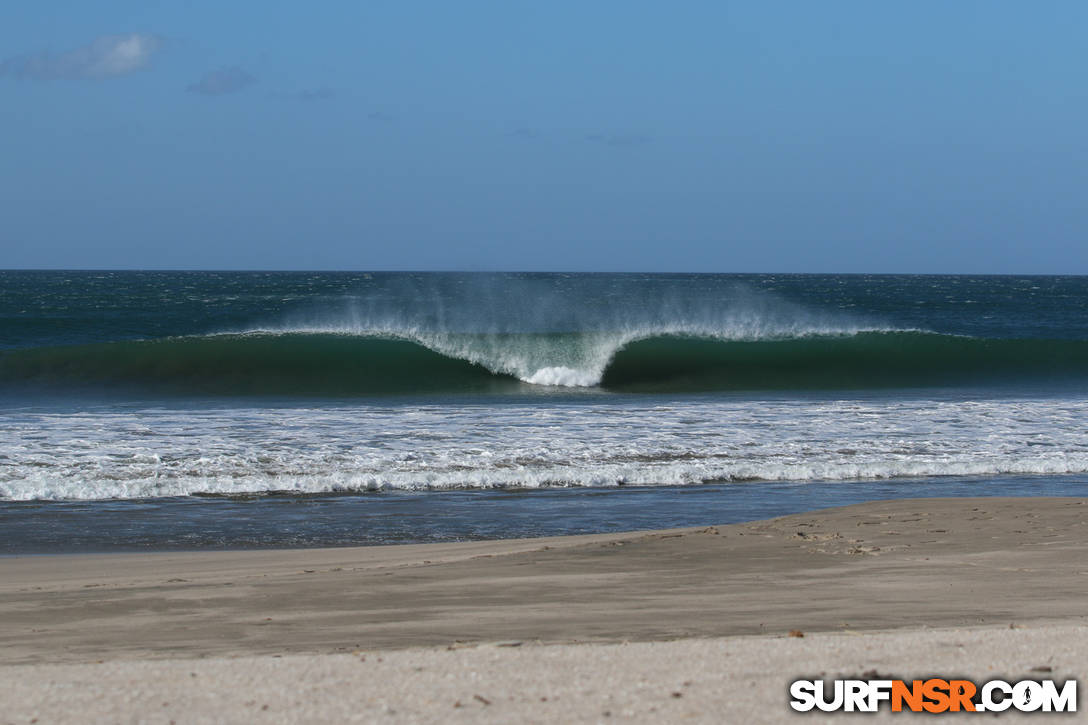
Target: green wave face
[
  {"x": 864, "y": 360},
  {"x": 344, "y": 365},
  {"x": 255, "y": 364}
]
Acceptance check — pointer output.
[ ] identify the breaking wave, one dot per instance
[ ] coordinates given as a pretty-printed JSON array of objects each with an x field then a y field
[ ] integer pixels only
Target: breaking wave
[{"x": 313, "y": 361}]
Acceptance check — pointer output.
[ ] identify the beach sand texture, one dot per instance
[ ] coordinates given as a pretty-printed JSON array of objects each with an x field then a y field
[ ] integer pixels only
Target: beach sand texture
[{"x": 1003, "y": 584}]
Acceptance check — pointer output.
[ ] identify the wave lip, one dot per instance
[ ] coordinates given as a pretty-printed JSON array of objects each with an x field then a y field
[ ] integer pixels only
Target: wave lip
[{"x": 651, "y": 360}]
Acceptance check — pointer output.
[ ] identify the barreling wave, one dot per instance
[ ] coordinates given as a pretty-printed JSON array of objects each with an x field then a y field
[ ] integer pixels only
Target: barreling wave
[{"x": 389, "y": 362}]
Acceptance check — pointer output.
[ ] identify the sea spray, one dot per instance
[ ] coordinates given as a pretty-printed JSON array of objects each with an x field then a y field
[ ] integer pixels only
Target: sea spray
[{"x": 560, "y": 331}]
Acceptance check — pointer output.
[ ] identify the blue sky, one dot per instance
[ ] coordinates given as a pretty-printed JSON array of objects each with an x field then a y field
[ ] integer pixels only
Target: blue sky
[{"x": 629, "y": 136}]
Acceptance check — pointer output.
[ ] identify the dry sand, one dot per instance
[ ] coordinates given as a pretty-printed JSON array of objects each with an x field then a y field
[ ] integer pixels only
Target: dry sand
[
  {"x": 717, "y": 680},
  {"x": 979, "y": 565}
]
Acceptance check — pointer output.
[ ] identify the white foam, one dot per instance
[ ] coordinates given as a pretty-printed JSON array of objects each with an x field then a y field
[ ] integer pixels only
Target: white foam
[
  {"x": 564, "y": 376},
  {"x": 133, "y": 453}
]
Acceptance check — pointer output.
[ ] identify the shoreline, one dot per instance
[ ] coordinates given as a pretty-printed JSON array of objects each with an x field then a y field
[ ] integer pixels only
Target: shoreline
[
  {"x": 351, "y": 520},
  {"x": 880, "y": 565}
]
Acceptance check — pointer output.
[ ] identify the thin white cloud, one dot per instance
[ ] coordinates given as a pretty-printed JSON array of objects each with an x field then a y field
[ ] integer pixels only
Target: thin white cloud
[
  {"x": 224, "y": 80},
  {"x": 107, "y": 56}
]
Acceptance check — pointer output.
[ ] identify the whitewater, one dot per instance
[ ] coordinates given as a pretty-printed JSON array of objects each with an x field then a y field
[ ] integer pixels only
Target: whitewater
[{"x": 167, "y": 451}]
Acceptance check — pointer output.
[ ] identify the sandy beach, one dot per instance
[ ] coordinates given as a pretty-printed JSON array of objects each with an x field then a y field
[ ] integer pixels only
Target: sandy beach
[{"x": 647, "y": 626}]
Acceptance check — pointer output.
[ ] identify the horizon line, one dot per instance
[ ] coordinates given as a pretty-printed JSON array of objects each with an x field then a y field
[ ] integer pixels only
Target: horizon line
[{"x": 282, "y": 270}]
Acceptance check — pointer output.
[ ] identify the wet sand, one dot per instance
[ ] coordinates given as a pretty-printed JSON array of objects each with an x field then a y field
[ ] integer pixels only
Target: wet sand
[{"x": 988, "y": 565}]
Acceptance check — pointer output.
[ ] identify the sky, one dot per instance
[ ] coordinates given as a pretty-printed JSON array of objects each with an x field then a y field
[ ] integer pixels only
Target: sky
[{"x": 764, "y": 136}]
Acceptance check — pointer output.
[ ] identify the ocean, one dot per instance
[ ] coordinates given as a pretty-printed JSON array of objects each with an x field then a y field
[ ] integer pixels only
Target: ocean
[{"x": 189, "y": 410}]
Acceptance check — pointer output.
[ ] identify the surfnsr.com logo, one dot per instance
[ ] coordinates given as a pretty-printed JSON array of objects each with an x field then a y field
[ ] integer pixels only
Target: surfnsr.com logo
[{"x": 933, "y": 695}]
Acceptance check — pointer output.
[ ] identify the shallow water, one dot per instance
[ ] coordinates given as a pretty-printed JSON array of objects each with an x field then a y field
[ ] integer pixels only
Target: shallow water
[{"x": 398, "y": 517}]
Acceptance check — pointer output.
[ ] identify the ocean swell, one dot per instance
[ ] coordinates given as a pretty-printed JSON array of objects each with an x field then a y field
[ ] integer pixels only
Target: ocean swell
[{"x": 398, "y": 362}]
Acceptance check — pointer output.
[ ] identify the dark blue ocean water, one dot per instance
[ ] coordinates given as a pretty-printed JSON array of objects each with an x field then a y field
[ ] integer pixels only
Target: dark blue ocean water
[{"x": 197, "y": 409}]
